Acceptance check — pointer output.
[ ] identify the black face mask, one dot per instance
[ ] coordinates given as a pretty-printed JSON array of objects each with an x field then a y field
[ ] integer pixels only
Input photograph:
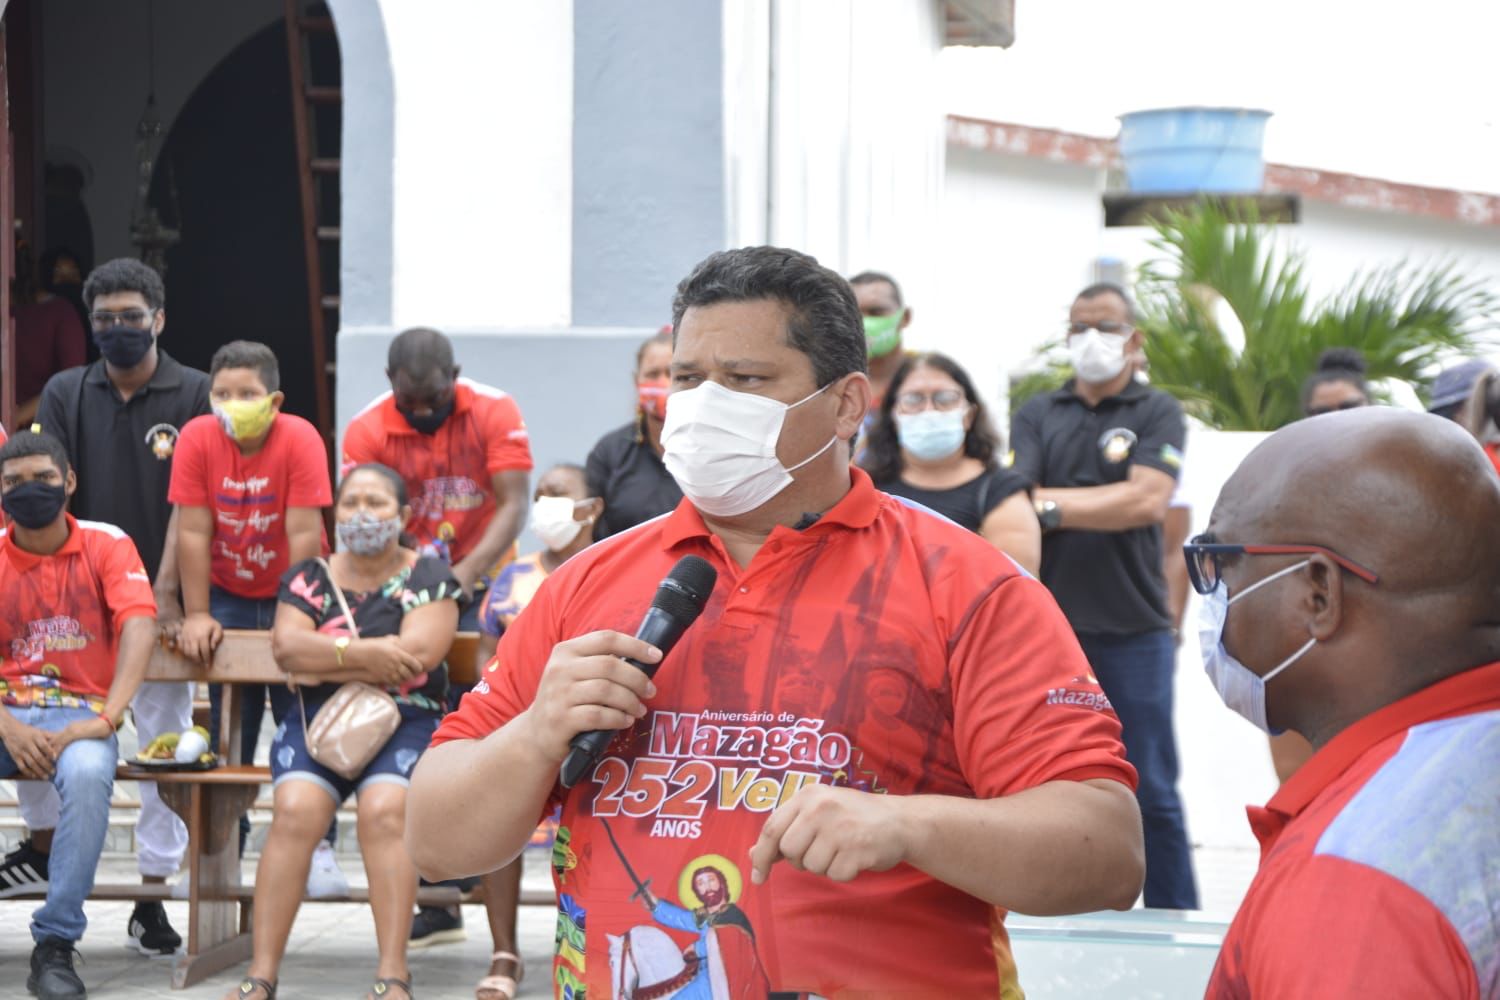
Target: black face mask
[
  {"x": 124, "y": 346},
  {"x": 429, "y": 423},
  {"x": 34, "y": 505}
]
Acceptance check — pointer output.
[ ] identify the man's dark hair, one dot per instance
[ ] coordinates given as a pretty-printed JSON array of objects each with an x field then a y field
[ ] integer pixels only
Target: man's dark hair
[
  {"x": 124, "y": 274},
  {"x": 824, "y": 324},
  {"x": 871, "y": 277},
  {"x": 248, "y": 354},
  {"x": 882, "y": 458},
  {"x": 419, "y": 352},
  {"x": 1099, "y": 288},
  {"x": 28, "y": 443}
]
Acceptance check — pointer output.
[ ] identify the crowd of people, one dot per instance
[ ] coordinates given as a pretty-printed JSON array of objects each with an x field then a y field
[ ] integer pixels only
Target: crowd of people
[{"x": 933, "y": 682}]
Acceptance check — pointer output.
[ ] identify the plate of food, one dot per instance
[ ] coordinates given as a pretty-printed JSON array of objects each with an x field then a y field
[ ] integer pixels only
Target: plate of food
[{"x": 185, "y": 751}]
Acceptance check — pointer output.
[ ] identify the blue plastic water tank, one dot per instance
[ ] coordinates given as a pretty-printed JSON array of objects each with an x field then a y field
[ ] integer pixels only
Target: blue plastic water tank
[{"x": 1182, "y": 150}]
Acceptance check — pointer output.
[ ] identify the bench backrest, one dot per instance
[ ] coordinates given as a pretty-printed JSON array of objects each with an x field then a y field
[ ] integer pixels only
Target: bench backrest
[{"x": 244, "y": 657}]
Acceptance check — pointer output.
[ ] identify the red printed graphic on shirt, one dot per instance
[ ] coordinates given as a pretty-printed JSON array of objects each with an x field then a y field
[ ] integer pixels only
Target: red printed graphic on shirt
[
  {"x": 61, "y": 615},
  {"x": 249, "y": 496}
]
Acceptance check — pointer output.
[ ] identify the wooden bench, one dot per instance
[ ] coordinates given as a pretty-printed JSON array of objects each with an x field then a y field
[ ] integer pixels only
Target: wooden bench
[{"x": 211, "y": 803}]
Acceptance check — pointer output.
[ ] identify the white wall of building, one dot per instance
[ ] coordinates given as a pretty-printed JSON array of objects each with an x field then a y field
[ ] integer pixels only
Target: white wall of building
[
  {"x": 1021, "y": 235},
  {"x": 835, "y": 132},
  {"x": 483, "y": 162}
]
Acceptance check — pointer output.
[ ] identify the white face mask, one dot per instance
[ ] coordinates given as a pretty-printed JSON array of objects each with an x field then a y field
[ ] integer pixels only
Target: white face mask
[
  {"x": 552, "y": 521},
  {"x": 1243, "y": 690},
  {"x": 1097, "y": 357},
  {"x": 932, "y": 434},
  {"x": 720, "y": 446}
]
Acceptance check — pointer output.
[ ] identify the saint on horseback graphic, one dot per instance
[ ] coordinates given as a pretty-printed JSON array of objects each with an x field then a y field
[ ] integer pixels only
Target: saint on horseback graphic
[{"x": 647, "y": 963}]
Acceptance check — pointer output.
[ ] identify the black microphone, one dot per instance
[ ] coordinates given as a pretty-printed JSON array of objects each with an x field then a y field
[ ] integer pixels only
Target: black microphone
[{"x": 678, "y": 603}]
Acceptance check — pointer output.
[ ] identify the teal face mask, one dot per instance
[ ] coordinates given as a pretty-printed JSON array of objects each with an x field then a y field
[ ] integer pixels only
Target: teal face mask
[{"x": 883, "y": 333}]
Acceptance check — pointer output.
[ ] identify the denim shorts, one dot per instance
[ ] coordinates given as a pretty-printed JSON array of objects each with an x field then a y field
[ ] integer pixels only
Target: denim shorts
[{"x": 392, "y": 765}]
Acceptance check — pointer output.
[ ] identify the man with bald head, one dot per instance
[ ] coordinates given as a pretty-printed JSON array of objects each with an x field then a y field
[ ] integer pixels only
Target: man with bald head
[{"x": 1351, "y": 582}]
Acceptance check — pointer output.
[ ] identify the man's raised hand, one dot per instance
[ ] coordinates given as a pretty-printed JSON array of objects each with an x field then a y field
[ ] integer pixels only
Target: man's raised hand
[{"x": 587, "y": 686}]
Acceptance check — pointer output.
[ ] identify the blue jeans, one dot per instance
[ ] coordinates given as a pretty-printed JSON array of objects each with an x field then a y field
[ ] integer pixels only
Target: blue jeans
[
  {"x": 234, "y": 611},
  {"x": 1136, "y": 674},
  {"x": 84, "y": 779}
]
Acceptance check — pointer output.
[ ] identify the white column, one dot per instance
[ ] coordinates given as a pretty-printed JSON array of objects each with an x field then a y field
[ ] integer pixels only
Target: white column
[{"x": 483, "y": 162}]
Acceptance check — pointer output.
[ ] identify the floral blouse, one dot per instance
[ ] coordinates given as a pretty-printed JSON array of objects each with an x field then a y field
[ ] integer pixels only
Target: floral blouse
[{"x": 379, "y": 612}]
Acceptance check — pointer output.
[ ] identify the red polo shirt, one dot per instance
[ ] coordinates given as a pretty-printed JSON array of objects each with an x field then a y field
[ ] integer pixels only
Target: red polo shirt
[
  {"x": 1380, "y": 860},
  {"x": 61, "y": 615},
  {"x": 249, "y": 496},
  {"x": 882, "y": 648},
  {"x": 449, "y": 474}
]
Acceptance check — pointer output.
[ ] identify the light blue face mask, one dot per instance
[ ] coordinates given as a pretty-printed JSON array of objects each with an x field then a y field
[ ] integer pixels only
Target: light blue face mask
[
  {"x": 1243, "y": 690},
  {"x": 932, "y": 434}
]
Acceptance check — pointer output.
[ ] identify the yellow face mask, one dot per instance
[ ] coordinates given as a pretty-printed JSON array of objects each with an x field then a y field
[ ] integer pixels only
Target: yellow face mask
[{"x": 246, "y": 419}]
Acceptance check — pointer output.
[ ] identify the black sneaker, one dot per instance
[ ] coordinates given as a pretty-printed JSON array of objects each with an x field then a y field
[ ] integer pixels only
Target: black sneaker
[
  {"x": 436, "y": 925},
  {"x": 52, "y": 976},
  {"x": 23, "y": 870},
  {"x": 149, "y": 932}
]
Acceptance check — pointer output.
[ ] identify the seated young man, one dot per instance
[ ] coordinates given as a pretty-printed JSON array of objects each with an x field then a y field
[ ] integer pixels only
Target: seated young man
[{"x": 77, "y": 623}]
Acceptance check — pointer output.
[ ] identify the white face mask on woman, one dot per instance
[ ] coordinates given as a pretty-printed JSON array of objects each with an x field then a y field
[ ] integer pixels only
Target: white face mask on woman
[
  {"x": 720, "y": 446},
  {"x": 552, "y": 521}
]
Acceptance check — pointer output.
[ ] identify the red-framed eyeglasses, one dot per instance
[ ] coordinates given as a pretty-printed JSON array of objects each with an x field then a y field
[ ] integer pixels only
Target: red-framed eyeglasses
[{"x": 1204, "y": 556}]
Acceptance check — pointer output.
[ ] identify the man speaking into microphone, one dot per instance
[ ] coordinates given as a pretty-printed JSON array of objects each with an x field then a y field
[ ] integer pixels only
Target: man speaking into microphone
[{"x": 877, "y": 737}]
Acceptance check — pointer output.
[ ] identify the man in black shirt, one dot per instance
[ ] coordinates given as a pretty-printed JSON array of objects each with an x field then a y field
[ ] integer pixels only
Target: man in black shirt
[
  {"x": 118, "y": 420},
  {"x": 1104, "y": 452}
]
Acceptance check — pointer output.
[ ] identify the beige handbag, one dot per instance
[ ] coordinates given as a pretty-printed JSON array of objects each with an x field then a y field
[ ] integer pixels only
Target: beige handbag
[{"x": 353, "y": 724}]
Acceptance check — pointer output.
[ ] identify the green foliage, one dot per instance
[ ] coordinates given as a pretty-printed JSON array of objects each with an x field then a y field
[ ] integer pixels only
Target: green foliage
[{"x": 1404, "y": 318}]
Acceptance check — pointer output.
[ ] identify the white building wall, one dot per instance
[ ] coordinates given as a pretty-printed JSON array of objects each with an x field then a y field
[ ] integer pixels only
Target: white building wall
[
  {"x": 835, "y": 133},
  {"x": 483, "y": 162}
]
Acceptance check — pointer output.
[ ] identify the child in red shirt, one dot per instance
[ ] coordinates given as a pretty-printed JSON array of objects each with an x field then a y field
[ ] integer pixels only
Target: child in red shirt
[{"x": 250, "y": 482}]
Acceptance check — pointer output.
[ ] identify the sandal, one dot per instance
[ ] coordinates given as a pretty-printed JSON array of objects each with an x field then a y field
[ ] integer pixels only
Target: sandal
[
  {"x": 383, "y": 986},
  {"x": 501, "y": 987},
  {"x": 250, "y": 984}
]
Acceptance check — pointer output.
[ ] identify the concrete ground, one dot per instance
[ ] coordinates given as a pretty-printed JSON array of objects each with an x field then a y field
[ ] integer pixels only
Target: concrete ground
[{"x": 332, "y": 948}]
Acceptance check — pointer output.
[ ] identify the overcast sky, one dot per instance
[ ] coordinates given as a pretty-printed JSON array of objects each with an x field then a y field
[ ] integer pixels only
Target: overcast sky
[{"x": 1400, "y": 90}]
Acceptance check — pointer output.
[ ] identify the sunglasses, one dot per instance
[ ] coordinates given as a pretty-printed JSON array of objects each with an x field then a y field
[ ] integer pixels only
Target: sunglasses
[
  {"x": 1205, "y": 555},
  {"x": 1348, "y": 404}
]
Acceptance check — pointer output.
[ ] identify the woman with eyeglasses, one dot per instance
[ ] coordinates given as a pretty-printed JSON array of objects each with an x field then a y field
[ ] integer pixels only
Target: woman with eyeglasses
[
  {"x": 932, "y": 442},
  {"x": 1338, "y": 383}
]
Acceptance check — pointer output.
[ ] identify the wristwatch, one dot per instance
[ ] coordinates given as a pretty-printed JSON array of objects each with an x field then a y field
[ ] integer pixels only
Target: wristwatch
[
  {"x": 339, "y": 645},
  {"x": 1049, "y": 514}
]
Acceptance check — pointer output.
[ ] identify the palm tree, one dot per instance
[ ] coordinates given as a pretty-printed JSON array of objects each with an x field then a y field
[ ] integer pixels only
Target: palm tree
[{"x": 1405, "y": 319}]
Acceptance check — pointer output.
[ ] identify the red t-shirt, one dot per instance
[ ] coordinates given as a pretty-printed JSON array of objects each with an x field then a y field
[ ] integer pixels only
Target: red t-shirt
[
  {"x": 61, "y": 615},
  {"x": 249, "y": 496},
  {"x": 881, "y": 648},
  {"x": 449, "y": 474},
  {"x": 1380, "y": 860},
  {"x": 49, "y": 338}
]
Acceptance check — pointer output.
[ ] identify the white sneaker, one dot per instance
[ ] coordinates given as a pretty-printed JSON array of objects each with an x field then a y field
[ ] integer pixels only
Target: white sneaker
[{"x": 324, "y": 878}]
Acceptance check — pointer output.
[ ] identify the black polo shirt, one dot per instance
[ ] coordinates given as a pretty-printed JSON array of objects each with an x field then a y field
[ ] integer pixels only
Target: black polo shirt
[
  {"x": 627, "y": 473},
  {"x": 122, "y": 451},
  {"x": 1107, "y": 582}
]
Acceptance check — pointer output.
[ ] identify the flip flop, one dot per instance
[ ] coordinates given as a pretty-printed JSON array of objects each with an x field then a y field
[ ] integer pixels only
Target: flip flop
[
  {"x": 250, "y": 984},
  {"x": 504, "y": 986},
  {"x": 382, "y": 988}
]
